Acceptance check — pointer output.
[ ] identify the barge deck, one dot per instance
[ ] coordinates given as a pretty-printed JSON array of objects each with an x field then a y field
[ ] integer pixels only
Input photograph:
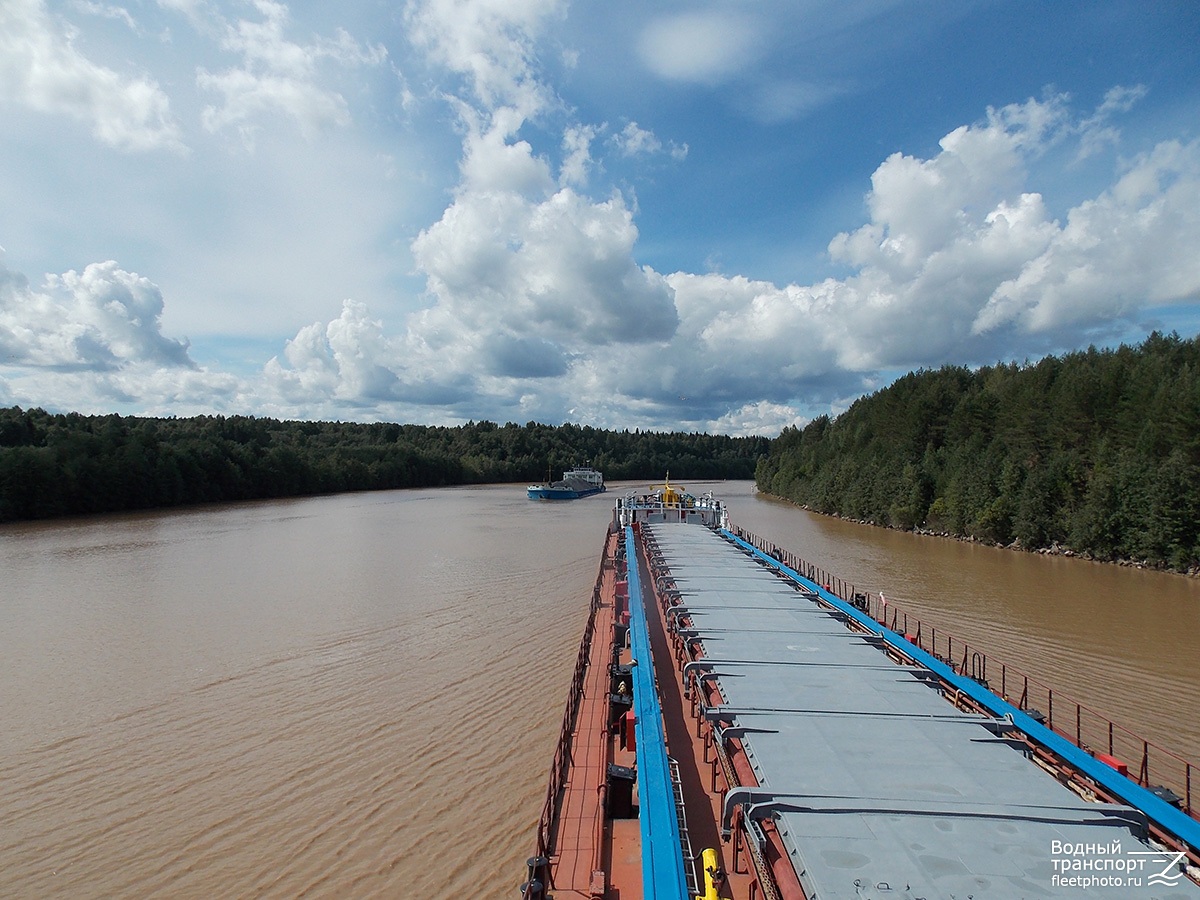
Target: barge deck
[{"x": 738, "y": 732}]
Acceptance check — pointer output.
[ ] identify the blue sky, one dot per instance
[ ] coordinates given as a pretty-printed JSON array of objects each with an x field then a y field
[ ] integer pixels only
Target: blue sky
[{"x": 701, "y": 216}]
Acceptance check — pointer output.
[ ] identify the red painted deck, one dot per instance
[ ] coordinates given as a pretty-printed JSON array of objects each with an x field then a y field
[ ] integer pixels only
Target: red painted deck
[
  {"x": 583, "y": 863},
  {"x": 599, "y": 858}
]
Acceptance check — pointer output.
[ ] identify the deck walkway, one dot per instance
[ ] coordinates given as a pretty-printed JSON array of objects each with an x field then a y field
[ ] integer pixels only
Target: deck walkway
[{"x": 580, "y": 822}]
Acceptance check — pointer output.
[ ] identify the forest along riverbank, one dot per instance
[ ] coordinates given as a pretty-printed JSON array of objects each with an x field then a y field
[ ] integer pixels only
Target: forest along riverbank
[
  {"x": 1055, "y": 549},
  {"x": 322, "y": 695},
  {"x": 1094, "y": 451}
]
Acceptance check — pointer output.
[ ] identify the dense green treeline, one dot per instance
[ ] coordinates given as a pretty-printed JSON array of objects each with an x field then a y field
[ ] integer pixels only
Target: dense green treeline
[
  {"x": 1097, "y": 452},
  {"x": 53, "y": 465}
]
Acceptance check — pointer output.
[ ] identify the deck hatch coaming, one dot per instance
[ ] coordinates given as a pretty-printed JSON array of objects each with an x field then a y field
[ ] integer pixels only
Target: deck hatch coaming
[{"x": 943, "y": 798}]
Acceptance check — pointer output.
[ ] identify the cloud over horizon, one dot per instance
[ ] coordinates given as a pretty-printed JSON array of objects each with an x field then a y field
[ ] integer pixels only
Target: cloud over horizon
[
  {"x": 535, "y": 300},
  {"x": 101, "y": 319}
]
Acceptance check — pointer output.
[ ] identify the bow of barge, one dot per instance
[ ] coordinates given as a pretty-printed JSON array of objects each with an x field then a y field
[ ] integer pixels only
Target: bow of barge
[{"x": 734, "y": 730}]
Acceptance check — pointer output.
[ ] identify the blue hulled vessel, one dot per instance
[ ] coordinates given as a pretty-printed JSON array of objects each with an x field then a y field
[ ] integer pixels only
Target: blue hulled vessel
[{"x": 578, "y": 482}]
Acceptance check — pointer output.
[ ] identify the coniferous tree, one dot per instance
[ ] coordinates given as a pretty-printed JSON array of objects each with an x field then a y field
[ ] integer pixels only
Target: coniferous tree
[
  {"x": 1097, "y": 452},
  {"x": 53, "y": 465}
]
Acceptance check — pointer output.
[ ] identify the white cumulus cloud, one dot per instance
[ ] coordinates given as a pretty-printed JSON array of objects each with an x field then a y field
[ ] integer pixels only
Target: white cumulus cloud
[
  {"x": 347, "y": 360},
  {"x": 92, "y": 342},
  {"x": 558, "y": 267},
  {"x": 539, "y": 309},
  {"x": 761, "y": 418},
  {"x": 40, "y": 68},
  {"x": 103, "y": 318},
  {"x": 1136, "y": 245}
]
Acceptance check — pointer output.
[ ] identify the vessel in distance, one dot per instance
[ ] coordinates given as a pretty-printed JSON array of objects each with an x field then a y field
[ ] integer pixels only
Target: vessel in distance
[{"x": 581, "y": 481}]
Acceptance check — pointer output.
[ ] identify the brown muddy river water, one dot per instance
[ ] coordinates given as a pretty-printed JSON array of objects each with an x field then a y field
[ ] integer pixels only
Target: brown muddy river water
[{"x": 357, "y": 696}]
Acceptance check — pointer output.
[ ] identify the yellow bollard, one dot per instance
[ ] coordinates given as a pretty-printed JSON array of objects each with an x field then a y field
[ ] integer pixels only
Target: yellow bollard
[{"x": 713, "y": 876}]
